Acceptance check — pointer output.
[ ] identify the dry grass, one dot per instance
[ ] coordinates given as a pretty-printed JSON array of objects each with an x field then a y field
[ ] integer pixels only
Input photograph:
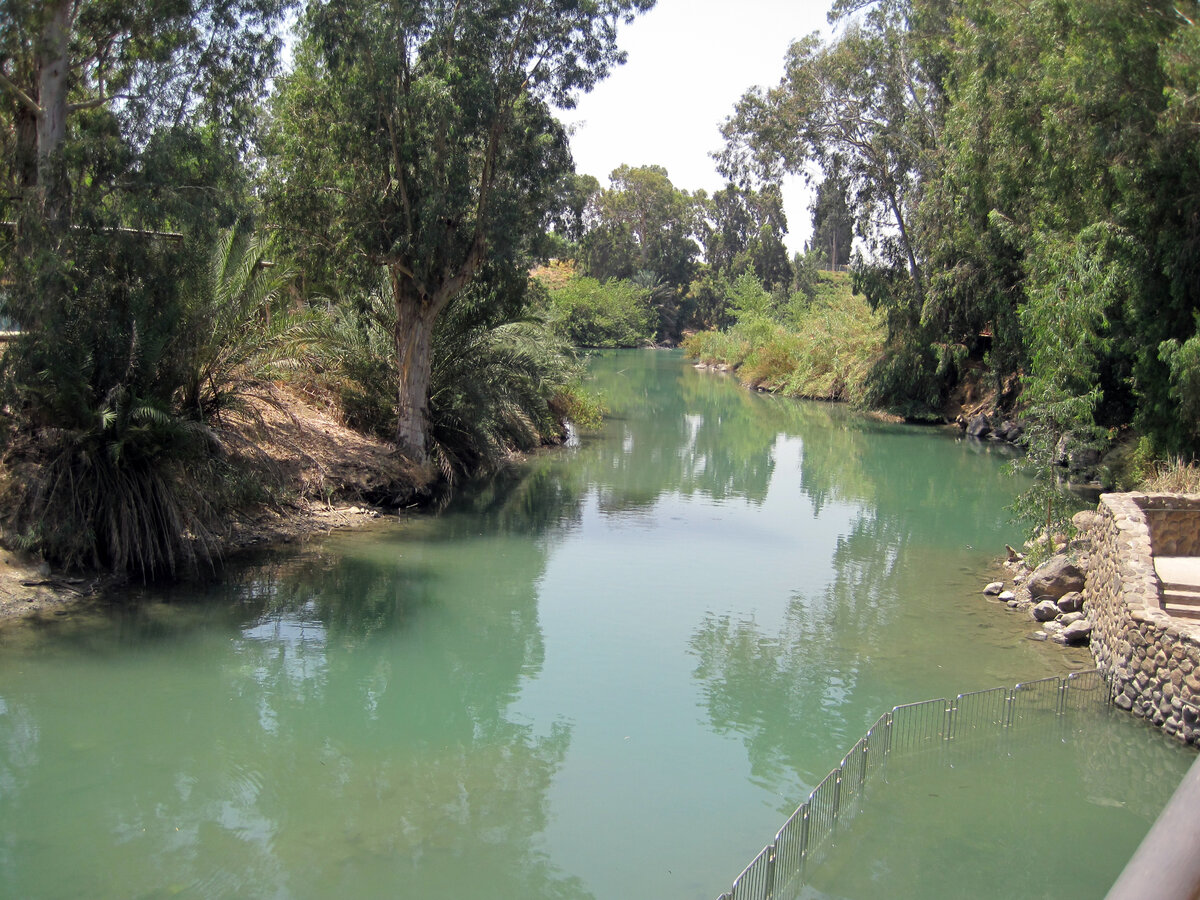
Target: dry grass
[{"x": 1173, "y": 476}]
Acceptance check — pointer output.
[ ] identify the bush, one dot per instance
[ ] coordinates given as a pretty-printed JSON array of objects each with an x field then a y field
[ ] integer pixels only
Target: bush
[
  {"x": 820, "y": 347},
  {"x": 131, "y": 348},
  {"x": 590, "y": 313},
  {"x": 501, "y": 381}
]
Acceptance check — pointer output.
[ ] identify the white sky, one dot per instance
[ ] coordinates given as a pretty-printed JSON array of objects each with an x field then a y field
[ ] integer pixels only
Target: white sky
[{"x": 689, "y": 62}]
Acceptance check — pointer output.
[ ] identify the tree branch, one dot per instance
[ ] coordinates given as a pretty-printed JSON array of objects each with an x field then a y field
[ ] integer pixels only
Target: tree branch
[{"x": 24, "y": 98}]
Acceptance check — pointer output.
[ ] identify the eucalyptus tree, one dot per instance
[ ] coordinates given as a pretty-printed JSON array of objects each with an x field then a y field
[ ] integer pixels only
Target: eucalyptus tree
[
  {"x": 832, "y": 221},
  {"x": 743, "y": 229},
  {"x": 642, "y": 223},
  {"x": 417, "y": 137},
  {"x": 860, "y": 105},
  {"x": 146, "y": 65}
]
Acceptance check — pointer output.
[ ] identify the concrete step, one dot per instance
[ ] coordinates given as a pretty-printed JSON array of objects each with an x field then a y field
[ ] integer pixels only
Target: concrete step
[
  {"x": 1185, "y": 595},
  {"x": 1181, "y": 611}
]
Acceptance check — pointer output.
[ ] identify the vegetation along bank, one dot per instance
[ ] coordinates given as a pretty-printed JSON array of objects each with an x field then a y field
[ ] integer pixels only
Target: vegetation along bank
[{"x": 198, "y": 242}]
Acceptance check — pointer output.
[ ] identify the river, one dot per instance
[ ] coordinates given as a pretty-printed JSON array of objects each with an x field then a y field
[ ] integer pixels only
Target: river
[{"x": 610, "y": 673}]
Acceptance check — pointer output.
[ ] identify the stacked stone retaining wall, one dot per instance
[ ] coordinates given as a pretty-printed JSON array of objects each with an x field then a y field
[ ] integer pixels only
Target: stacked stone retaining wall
[{"x": 1151, "y": 659}]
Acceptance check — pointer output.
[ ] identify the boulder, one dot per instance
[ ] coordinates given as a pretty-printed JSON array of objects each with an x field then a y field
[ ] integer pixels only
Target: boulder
[
  {"x": 1039, "y": 636},
  {"x": 1008, "y": 430},
  {"x": 1046, "y": 611},
  {"x": 994, "y": 588},
  {"x": 1005, "y": 596},
  {"x": 1071, "y": 602},
  {"x": 1077, "y": 632},
  {"x": 1054, "y": 578},
  {"x": 1071, "y": 618},
  {"x": 1084, "y": 519},
  {"x": 979, "y": 427}
]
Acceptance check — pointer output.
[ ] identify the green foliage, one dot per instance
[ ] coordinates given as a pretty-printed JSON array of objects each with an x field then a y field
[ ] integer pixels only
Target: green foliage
[
  {"x": 642, "y": 230},
  {"x": 239, "y": 335},
  {"x": 420, "y": 137},
  {"x": 832, "y": 221},
  {"x": 501, "y": 381},
  {"x": 1022, "y": 177},
  {"x": 107, "y": 471},
  {"x": 822, "y": 347},
  {"x": 589, "y": 313},
  {"x": 1183, "y": 360}
]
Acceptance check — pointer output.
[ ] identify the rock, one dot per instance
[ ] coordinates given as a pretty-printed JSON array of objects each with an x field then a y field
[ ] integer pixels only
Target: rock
[
  {"x": 1006, "y": 596},
  {"x": 1084, "y": 519},
  {"x": 1077, "y": 632},
  {"x": 1054, "y": 578},
  {"x": 1083, "y": 461},
  {"x": 979, "y": 427},
  {"x": 1071, "y": 602},
  {"x": 1014, "y": 603},
  {"x": 1046, "y": 611},
  {"x": 1071, "y": 618},
  {"x": 1013, "y": 555},
  {"x": 1053, "y": 627},
  {"x": 1010, "y": 431},
  {"x": 1039, "y": 636},
  {"x": 994, "y": 588}
]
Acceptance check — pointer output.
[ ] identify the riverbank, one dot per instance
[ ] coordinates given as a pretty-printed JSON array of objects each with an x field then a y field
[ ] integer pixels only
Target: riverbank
[{"x": 320, "y": 477}]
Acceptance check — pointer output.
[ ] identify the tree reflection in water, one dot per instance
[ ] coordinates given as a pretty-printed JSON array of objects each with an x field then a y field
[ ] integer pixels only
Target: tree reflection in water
[{"x": 316, "y": 733}]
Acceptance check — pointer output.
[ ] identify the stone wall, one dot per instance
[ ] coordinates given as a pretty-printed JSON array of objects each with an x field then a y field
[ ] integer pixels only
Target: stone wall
[
  {"x": 1151, "y": 659},
  {"x": 1174, "y": 522}
]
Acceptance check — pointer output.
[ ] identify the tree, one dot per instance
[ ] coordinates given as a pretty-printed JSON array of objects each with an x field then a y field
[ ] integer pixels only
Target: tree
[
  {"x": 743, "y": 229},
  {"x": 642, "y": 229},
  {"x": 832, "y": 221},
  {"x": 860, "y": 106},
  {"x": 641, "y": 222},
  {"x": 416, "y": 136},
  {"x": 150, "y": 64}
]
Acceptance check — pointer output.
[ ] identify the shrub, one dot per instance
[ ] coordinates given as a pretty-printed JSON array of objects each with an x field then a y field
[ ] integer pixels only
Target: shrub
[{"x": 591, "y": 313}]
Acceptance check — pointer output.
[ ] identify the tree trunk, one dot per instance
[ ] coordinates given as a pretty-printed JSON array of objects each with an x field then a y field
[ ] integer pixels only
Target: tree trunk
[
  {"x": 53, "y": 64},
  {"x": 413, "y": 338}
]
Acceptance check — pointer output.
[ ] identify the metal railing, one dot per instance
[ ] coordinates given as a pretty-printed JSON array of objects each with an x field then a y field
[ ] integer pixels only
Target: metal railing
[{"x": 780, "y": 870}]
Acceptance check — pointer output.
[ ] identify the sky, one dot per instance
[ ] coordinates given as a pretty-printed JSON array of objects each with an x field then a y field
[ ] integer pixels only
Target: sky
[{"x": 689, "y": 62}]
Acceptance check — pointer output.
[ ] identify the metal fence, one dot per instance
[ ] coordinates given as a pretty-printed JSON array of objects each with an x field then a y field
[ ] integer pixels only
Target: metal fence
[{"x": 780, "y": 870}]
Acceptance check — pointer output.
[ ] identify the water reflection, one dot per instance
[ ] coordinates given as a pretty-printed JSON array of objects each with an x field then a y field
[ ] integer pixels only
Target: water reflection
[
  {"x": 317, "y": 731},
  {"x": 471, "y": 704}
]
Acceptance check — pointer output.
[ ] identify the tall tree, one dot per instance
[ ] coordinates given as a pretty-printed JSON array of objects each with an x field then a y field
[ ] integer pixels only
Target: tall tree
[
  {"x": 149, "y": 64},
  {"x": 417, "y": 136},
  {"x": 861, "y": 105},
  {"x": 743, "y": 229},
  {"x": 832, "y": 221},
  {"x": 642, "y": 223}
]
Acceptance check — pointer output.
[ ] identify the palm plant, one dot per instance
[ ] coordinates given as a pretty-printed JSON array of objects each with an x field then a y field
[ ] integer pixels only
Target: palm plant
[
  {"x": 242, "y": 336},
  {"x": 495, "y": 388},
  {"x": 114, "y": 461},
  {"x": 500, "y": 381}
]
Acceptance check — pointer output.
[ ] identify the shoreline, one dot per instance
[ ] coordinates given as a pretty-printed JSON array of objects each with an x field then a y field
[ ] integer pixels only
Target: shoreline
[{"x": 30, "y": 590}]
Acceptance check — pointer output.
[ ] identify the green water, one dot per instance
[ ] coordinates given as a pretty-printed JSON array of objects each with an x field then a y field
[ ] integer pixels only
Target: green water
[{"x": 609, "y": 674}]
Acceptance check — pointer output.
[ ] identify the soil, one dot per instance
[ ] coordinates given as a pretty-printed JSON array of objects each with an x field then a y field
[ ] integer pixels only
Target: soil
[{"x": 323, "y": 475}]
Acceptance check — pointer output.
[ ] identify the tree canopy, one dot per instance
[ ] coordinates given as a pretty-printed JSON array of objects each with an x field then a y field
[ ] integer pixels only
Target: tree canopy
[
  {"x": 418, "y": 138},
  {"x": 1024, "y": 177}
]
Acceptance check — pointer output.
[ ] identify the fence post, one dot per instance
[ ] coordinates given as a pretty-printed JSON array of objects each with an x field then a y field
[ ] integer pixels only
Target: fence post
[{"x": 769, "y": 886}]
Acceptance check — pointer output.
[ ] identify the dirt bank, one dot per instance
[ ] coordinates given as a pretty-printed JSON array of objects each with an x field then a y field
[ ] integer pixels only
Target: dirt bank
[{"x": 324, "y": 477}]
